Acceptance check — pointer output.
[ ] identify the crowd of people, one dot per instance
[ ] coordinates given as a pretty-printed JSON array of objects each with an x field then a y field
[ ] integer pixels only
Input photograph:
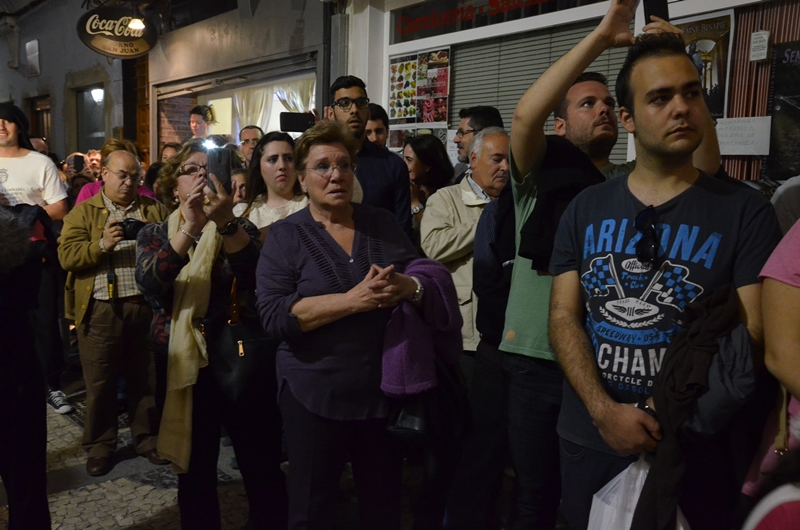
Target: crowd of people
[{"x": 340, "y": 303}]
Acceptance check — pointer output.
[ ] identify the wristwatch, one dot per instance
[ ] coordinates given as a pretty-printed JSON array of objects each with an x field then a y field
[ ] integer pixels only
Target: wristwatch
[
  {"x": 418, "y": 208},
  {"x": 420, "y": 290},
  {"x": 644, "y": 407},
  {"x": 229, "y": 228}
]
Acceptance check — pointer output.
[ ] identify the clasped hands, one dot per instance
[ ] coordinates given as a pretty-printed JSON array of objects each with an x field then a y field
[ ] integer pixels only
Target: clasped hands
[{"x": 382, "y": 287}]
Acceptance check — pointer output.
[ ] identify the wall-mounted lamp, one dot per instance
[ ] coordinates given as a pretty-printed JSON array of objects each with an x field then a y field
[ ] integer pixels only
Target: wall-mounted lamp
[
  {"x": 98, "y": 94},
  {"x": 136, "y": 22}
]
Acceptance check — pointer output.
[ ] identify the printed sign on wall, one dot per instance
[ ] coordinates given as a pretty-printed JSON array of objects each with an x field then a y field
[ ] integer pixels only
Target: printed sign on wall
[
  {"x": 419, "y": 87},
  {"x": 105, "y": 30},
  {"x": 783, "y": 161}
]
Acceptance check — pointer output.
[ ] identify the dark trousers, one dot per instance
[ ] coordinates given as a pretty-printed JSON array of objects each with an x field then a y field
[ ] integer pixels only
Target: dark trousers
[
  {"x": 254, "y": 426},
  {"x": 45, "y": 320},
  {"x": 533, "y": 389},
  {"x": 472, "y": 500},
  {"x": 318, "y": 450},
  {"x": 114, "y": 341},
  {"x": 584, "y": 472},
  {"x": 23, "y": 429}
]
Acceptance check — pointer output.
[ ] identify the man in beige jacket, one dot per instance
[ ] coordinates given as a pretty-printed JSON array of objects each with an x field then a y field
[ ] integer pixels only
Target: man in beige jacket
[{"x": 447, "y": 231}]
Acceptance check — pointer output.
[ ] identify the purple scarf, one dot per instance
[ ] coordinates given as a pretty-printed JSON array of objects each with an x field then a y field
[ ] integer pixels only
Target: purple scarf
[{"x": 414, "y": 336}]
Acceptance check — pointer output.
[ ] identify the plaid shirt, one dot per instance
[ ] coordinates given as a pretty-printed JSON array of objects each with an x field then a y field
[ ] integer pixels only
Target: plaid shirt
[{"x": 124, "y": 256}]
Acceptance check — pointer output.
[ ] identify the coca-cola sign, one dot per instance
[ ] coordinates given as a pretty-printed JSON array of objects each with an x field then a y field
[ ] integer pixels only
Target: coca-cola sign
[{"x": 105, "y": 30}]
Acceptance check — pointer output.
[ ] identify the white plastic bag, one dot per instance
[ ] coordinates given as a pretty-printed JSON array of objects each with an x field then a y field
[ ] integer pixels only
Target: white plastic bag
[{"x": 614, "y": 504}]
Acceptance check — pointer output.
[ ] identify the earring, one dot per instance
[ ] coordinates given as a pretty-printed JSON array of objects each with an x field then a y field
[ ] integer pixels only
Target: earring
[
  {"x": 175, "y": 200},
  {"x": 304, "y": 189}
]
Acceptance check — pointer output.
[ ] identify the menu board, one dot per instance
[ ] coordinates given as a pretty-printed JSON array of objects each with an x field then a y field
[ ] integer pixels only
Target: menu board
[{"x": 419, "y": 86}]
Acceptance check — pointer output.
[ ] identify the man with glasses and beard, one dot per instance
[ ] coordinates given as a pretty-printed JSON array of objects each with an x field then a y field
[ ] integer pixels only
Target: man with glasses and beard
[
  {"x": 382, "y": 174},
  {"x": 630, "y": 255},
  {"x": 112, "y": 317}
]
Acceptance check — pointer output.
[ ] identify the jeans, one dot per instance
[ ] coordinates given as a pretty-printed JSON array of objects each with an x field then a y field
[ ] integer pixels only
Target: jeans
[
  {"x": 472, "y": 499},
  {"x": 534, "y": 400},
  {"x": 584, "y": 471}
]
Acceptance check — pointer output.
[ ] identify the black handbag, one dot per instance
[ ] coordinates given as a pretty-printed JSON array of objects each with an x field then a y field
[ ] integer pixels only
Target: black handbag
[
  {"x": 240, "y": 353},
  {"x": 437, "y": 416}
]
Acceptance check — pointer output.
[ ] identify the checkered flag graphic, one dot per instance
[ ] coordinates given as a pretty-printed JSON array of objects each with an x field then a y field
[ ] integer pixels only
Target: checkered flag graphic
[
  {"x": 672, "y": 286},
  {"x": 600, "y": 277}
]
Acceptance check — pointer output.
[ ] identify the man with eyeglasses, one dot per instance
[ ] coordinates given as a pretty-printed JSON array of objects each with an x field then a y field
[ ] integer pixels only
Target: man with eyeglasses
[
  {"x": 382, "y": 174},
  {"x": 111, "y": 315},
  {"x": 629, "y": 257},
  {"x": 473, "y": 121},
  {"x": 248, "y": 138}
]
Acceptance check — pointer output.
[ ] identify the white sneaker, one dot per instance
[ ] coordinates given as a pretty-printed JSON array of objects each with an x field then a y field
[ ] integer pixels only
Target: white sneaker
[{"x": 58, "y": 400}]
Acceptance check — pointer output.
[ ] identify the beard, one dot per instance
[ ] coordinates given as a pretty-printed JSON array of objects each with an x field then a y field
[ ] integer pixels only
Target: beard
[{"x": 595, "y": 146}]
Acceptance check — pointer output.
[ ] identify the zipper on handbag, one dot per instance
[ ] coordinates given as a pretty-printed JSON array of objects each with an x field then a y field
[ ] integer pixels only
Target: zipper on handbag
[{"x": 241, "y": 349}]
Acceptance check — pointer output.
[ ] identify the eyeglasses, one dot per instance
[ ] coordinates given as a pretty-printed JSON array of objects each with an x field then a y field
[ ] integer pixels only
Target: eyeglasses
[
  {"x": 326, "y": 170},
  {"x": 252, "y": 141},
  {"x": 462, "y": 132},
  {"x": 346, "y": 103},
  {"x": 124, "y": 176},
  {"x": 647, "y": 246},
  {"x": 191, "y": 169}
]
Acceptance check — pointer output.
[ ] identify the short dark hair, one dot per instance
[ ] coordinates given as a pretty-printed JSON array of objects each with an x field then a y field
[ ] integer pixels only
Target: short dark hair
[
  {"x": 376, "y": 112},
  {"x": 169, "y": 145},
  {"x": 432, "y": 153},
  {"x": 347, "y": 81},
  {"x": 482, "y": 116},
  {"x": 205, "y": 111},
  {"x": 646, "y": 45},
  {"x": 246, "y": 127},
  {"x": 255, "y": 182},
  {"x": 151, "y": 174},
  {"x": 561, "y": 109}
]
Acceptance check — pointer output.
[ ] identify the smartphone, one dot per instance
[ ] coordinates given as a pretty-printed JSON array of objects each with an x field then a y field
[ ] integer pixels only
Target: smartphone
[
  {"x": 655, "y": 7},
  {"x": 77, "y": 163},
  {"x": 296, "y": 121},
  {"x": 219, "y": 165}
]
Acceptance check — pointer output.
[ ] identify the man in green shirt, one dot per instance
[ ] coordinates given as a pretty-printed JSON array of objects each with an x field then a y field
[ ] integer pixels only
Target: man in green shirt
[{"x": 584, "y": 115}]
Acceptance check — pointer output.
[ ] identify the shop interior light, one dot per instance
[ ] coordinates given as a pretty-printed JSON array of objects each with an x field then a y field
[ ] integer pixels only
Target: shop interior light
[{"x": 98, "y": 94}]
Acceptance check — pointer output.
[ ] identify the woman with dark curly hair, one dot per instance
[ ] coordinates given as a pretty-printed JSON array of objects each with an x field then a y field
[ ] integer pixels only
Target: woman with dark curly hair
[{"x": 187, "y": 268}]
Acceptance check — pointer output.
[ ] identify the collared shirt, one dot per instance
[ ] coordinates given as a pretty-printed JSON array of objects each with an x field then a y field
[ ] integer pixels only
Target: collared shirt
[
  {"x": 123, "y": 256},
  {"x": 477, "y": 189}
]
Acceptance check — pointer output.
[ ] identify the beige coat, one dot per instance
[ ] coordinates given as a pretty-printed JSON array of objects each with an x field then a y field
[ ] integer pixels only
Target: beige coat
[
  {"x": 79, "y": 248},
  {"x": 447, "y": 234}
]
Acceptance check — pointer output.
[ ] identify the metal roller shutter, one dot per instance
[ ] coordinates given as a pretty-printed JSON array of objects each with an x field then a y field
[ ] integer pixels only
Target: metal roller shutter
[{"x": 498, "y": 71}]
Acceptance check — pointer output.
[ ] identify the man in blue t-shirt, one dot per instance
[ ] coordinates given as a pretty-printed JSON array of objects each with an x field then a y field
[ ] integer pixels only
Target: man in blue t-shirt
[
  {"x": 586, "y": 131},
  {"x": 630, "y": 255},
  {"x": 382, "y": 174}
]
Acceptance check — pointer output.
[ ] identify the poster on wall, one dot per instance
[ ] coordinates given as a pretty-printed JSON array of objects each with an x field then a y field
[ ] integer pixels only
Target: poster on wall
[
  {"x": 399, "y": 137},
  {"x": 710, "y": 48},
  {"x": 419, "y": 87},
  {"x": 783, "y": 161}
]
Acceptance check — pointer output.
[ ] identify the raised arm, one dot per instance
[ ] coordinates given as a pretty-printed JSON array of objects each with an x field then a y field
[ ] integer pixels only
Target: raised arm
[
  {"x": 541, "y": 99},
  {"x": 625, "y": 428}
]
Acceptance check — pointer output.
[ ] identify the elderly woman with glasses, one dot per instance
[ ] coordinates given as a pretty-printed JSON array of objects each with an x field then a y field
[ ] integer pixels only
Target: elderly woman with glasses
[
  {"x": 328, "y": 278},
  {"x": 186, "y": 268}
]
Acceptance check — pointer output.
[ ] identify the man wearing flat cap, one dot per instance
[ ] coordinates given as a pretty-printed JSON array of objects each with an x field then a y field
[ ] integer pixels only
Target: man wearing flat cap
[{"x": 28, "y": 177}]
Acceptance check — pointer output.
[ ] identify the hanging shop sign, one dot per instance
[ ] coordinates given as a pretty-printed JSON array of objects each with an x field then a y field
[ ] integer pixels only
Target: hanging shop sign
[
  {"x": 783, "y": 161},
  {"x": 440, "y": 17},
  {"x": 419, "y": 86},
  {"x": 710, "y": 49},
  {"x": 105, "y": 30}
]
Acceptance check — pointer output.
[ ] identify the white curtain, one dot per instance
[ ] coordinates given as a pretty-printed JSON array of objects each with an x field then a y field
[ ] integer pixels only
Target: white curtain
[
  {"x": 296, "y": 96},
  {"x": 251, "y": 106}
]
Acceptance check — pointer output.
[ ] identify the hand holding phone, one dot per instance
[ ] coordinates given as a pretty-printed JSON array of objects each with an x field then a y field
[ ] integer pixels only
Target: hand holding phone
[{"x": 219, "y": 165}]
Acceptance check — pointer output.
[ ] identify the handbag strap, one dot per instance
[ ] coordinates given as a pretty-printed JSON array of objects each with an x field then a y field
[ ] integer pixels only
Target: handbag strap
[
  {"x": 233, "y": 307},
  {"x": 782, "y": 438}
]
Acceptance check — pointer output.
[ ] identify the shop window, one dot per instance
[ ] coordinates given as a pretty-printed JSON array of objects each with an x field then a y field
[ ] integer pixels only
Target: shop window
[
  {"x": 91, "y": 118},
  {"x": 40, "y": 116}
]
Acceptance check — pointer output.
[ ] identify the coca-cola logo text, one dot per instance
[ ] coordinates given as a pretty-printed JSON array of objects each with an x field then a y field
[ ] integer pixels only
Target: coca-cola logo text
[{"x": 113, "y": 28}]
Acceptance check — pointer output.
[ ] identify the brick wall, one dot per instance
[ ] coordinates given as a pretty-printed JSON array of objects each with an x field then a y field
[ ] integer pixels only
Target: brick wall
[{"x": 173, "y": 119}]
